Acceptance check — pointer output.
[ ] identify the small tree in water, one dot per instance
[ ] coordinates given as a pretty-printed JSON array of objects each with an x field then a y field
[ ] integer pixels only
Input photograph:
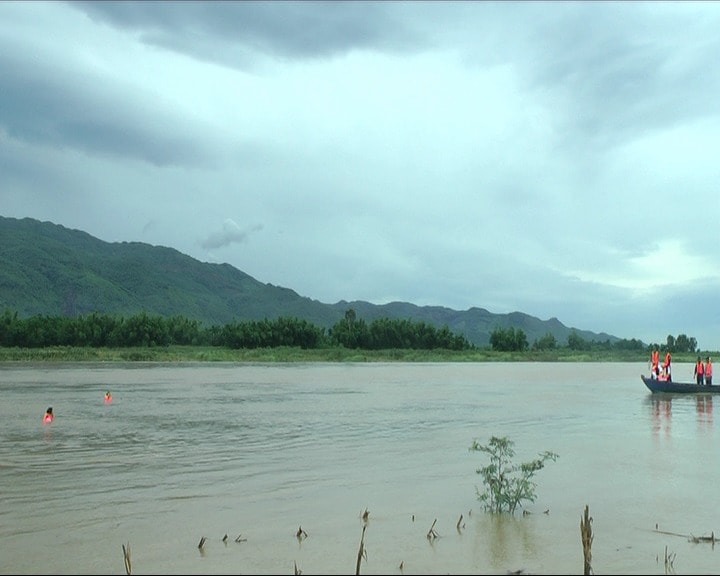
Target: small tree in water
[{"x": 507, "y": 485}]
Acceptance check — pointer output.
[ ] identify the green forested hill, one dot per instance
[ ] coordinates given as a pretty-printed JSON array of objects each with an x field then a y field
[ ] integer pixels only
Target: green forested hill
[{"x": 47, "y": 269}]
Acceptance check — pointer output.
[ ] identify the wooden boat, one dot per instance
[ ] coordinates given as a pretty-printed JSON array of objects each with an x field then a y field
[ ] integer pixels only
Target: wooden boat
[{"x": 659, "y": 385}]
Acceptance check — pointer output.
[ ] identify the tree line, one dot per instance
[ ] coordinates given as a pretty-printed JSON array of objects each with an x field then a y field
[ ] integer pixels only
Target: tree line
[
  {"x": 144, "y": 330},
  {"x": 515, "y": 340}
]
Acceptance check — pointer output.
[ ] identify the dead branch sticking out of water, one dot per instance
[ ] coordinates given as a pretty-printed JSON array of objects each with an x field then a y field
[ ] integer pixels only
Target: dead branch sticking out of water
[
  {"x": 202, "y": 542},
  {"x": 587, "y": 538},
  {"x": 297, "y": 570},
  {"x": 669, "y": 559},
  {"x": 431, "y": 535},
  {"x": 362, "y": 553},
  {"x": 698, "y": 539},
  {"x": 365, "y": 515},
  {"x": 695, "y": 539},
  {"x": 301, "y": 534},
  {"x": 126, "y": 558},
  {"x": 240, "y": 538},
  {"x": 460, "y": 524}
]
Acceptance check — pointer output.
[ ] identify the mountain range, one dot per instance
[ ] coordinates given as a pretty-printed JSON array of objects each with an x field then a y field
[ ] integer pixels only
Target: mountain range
[{"x": 48, "y": 269}]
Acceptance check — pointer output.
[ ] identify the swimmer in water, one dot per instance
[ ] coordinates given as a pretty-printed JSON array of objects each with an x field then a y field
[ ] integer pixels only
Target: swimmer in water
[
  {"x": 48, "y": 416},
  {"x": 108, "y": 397}
]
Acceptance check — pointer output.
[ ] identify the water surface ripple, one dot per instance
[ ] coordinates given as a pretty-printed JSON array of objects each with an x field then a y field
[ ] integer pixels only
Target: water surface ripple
[{"x": 187, "y": 451}]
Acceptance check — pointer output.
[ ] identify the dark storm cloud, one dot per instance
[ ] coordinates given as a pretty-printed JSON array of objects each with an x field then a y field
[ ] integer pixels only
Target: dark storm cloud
[
  {"x": 44, "y": 105},
  {"x": 218, "y": 31}
]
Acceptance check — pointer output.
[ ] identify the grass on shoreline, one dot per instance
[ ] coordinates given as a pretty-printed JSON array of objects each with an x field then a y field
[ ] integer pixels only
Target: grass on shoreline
[{"x": 286, "y": 354}]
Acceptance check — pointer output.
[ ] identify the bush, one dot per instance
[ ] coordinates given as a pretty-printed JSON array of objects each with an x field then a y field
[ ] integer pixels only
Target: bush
[{"x": 507, "y": 485}]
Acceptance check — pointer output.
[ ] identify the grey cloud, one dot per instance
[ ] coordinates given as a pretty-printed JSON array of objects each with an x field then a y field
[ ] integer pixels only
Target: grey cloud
[
  {"x": 616, "y": 76},
  {"x": 608, "y": 71},
  {"x": 231, "y": 233},
  {"x": 41, "y": 104},
  {"x": 219, "y": 31},
  {"x": 600, "y": 67}
]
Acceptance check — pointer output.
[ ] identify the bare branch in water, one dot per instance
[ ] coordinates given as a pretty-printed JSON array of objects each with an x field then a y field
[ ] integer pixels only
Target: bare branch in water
[
  {"x": 431, "y": 535},
  {"x": 697, "y": 539},
  {"x": 126, "y": 557},
  {"x": 669, "y": 559},
  {"x": 587, "y": 538},
  {"x": 361, "y": 551}
]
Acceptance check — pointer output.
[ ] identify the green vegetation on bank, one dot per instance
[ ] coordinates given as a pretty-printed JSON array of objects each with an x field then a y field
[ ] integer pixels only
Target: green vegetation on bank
[
  {"x": 143, "y": 330},
  {"x": 100, "y": 337},
  {"x": 170, "y": 354}
]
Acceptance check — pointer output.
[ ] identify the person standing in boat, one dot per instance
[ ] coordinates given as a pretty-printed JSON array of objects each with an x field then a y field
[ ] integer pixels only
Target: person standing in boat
[
  {"x": 708, "y": 371},
  {"x": 699, "y": 371},
  {"x": 666, "y": 366},
  {"x": 655, "y": 363}
]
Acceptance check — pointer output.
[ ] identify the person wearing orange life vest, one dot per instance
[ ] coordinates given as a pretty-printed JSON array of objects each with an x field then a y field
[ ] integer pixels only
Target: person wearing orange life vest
[
  {"x": 666, "y": 366},
  {"x": 699, "y": 371},
  {"x": 708, "y": 371},
  {"x": 654, "y": 363},
  {"x": 48, "y": 417},
  {"x": 108, "y": 397}
]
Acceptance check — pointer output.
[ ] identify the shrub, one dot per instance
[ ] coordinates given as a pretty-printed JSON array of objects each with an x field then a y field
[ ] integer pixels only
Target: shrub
[{"x": 507, "y": 485}]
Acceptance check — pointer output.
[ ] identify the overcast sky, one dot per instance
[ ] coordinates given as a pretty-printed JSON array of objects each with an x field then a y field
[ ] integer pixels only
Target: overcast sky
[{"x": 559, "y": 159}]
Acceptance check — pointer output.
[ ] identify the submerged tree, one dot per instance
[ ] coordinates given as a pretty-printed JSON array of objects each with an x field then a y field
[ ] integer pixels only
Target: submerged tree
[{"x": 507, "y": 485}]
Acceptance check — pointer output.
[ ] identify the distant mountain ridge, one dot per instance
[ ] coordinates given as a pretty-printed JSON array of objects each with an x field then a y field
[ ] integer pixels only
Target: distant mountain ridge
[{"x": 48, "y": 269}]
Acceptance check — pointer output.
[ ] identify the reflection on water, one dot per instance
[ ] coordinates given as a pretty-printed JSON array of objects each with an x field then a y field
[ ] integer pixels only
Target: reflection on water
[
  {"x": 661, "y": 415},
  {"x": 191, "y": 451},
  {"x": 704, "y": 406},
  {"x": 504, "y": 534},
  {"x": 662, "y": 406}
]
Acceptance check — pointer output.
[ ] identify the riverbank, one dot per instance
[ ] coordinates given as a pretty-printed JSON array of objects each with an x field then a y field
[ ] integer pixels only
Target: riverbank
[{"x": 287, "y": 354}]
